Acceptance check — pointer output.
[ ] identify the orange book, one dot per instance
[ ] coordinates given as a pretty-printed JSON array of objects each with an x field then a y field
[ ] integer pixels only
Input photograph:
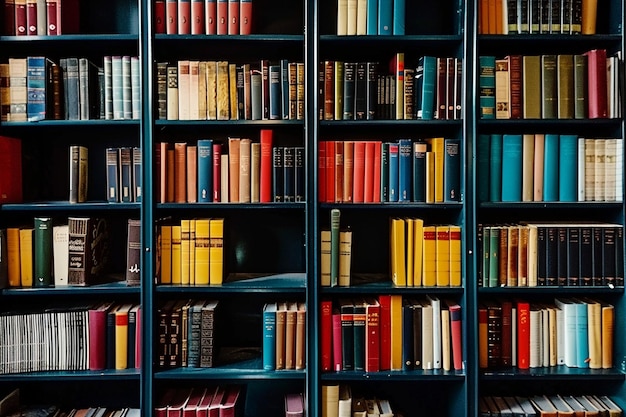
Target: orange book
[
  {"x": 483, "y": 20},
  {"x": 492, "y": 19},
  {"x": 192, "y": 174},
  {"x": 368, "y": 182},
  {"x": 234, "y": 149},
  {"x": 170, "y": 170},
  {"x": 348, "y": 170},
  {"x": 233, "y": 17},
  {"x": 608, "y": 322},
  {"x": 180, "y": 172},
  {"x": 300, "y": 336},
  {"x": 590, "y": 11},
  {"x": 396, "y": 332},
  {"x": 13, "y": 256},
  {"x": 330, "y": 171},
  {"x": 359, "y": 172},
  {"x": 339, "y": 170},
  {"x": 499, "y": 28},
  {"x": 290, "y": 335},
  {"x": 26, "y": 257}
]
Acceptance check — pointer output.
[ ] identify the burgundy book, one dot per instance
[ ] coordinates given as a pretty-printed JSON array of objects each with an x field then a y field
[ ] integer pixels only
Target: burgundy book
[
  {"x": 596, "y": 84},
  {"x": 326, "y": 335},
  {"x": 20, "y": 18},
  {"x": 9, "y": 17},
  {"x": 31, "y": 17},
  {"x": 217, "y": 172},
  {"x": 51, "y": 17},
  {"x": 10, "y": 170},
  {"x": 515, "y": 88},
  {"x": 97, "y": 336},
  {"x": 159, "y": 16}
]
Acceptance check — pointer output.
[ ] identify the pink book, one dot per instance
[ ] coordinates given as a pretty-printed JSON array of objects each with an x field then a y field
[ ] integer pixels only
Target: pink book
[
  {"x": 217, "y": 172},
  {"x": 216, "y": 402},
  {"x": 337, "y": 356},
  {"x": 184, "y": 17},
  {"x": 203, "y": 407}
]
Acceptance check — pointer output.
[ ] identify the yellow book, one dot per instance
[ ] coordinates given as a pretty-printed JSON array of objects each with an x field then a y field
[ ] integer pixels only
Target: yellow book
[
  {"x": 202, "y": 252},
  {"x": 26, "y": 257},
  {"x": 176, "y": 255},
  {"x": 223, "y": 92},
  {"x": 211, "y": 90},
  {"x": 455, "y": 256},
  {"x": 232, "y": 91},
  {"x": 398, "y": 264},
  {"x": 13, "y": 256},
  {"x": 192, "y": 252},
  {"x": 325, "y": 258},
  {"x": 409, "y": 251},
  {"x": 608, "y": 322},
  {"x": 594, "y": 333},
  {"x": 429, "y": 259},
  {"x": 430, "y": 177},
  {"x": 396, "y": 332},
  {"x": 216, "y": 251},
  {"x": 418, "y": 251},
  {"x": 185, "y": 250},
  {"x": 442, "y": 255},
  {"x": 121, "y": 336},
  {"x": 437, "y": 147},
  {"x": 345, "y": 255},
  {"x": 166, "y": 254}
]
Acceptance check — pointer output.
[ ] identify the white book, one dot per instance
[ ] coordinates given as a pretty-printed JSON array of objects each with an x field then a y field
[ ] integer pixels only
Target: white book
[
  {"x": 600, "y": 154},
  {"x": 135, "y": 86},
  {"x": 619, "y": 170},
  {"x": 427, "y": 335},
  {"x": 108, "y": 88},
  {"x": 532, "y": 255},
  {"x": 609, "y": 169},
  {"x": 535, "y": 338},
  {"x": 437, "y": 348},
  {"x": 127, "y": 91},
  {"x": 224, "y": 189},
  {"x": 352, "y": 16},
  {"x": 342, "y": 17},
  {"x": 568, "y": 331},
  {"x": 545, "y": 337},
  {"x": 361, "y": 17},
  {"x": 184, "y": 82},
  {"x": 590, "y": 169},
  {"x": 345, "y": 401},
  {"x": 117, "y": 86},
  {"x": 194, "y": 80},
  {"x": 581, "y": 169},
  {"x": 60, "y": 238},
  {"x": 385, "y": 408}
]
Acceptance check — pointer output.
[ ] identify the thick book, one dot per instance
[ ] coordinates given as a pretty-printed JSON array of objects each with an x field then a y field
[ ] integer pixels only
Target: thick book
[
  {"x": 487, "y": 87},
  {"x": 133, "y": 252},
  {"x": 42, "y": 252},
  {"x": 511, "y": 167},
  {"x": 78, "y": 169},
  {"x": 597, "y": 104}
]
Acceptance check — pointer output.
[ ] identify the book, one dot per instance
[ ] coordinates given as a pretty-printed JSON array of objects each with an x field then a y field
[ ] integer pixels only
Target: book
[
  {"x": 42, "y": 252},
  {"x": 78, "y": 170},
  {"x": 133, "y": 253}
]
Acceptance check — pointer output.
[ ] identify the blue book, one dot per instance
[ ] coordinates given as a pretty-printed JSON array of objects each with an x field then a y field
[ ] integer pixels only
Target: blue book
[
  {"x": 385, "y": 17},
  {"x": 372, "y": 17},
  {"x": 349, "y": 72},
  {"x": 429, "y": 63},
  {"x": 284, "y": 78},
  {"x": 495, "y": 168},
  {"x": 299, "y": 179},
  {"x": 487, "y": 87},
  {"x": 568, "y": 168},
  {"x": 408, "y": 359},
  {"x": 482, "y": 167},
  {"x": 269, "y": 336},
  {"x": 126, "y": 189},
  {"x": 36, "y": 85},
  {"x": 113, "y": 176},
  {"x": 393, "y": 172},
  {"x": 452, "y": 170},
  {"x": 205, "y": 170},
  {"x": 405, "y": 160},
  {"x": 419, "y": 171},
  {"x": 511, "y": 168},
  {"x": 398, "y": 17},
  {"x": 551, "y": 167},
  {"x": 384, "y": 172},
  {"x": 275, "y": 93},
  {"x": 582, "y": 334}
]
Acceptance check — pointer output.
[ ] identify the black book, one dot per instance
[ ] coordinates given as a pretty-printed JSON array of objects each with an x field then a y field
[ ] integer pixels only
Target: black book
[
  {"x": 346, "y": 311},
  {"x": 608, "y": 255},
  {"x": 552, "y": 253},
  {"x": 542, "y": 266},
  {"x": 417, "y": 335},
  {"x": 573, "y": 256},
  {"x": 597, "y": 247},
  {"x": 299, "y": 178},
  {"x": 372, "y": 90},
  {"x": 289, "y": 189},
  {"x": 321, "y": 80},
  {"x": 562, "y": 262},
  {"x": 360, "y": 92},
  {"x": 349, "y": 74},
  {"x": 277, "y": 174},
  {"x": 241, "y": 98},
  {"x": 359, "y": 320},
  {"x": 408, "y": 352},
  {"x": 586, "y": 256},
  {"x": 619, "y": 256}
]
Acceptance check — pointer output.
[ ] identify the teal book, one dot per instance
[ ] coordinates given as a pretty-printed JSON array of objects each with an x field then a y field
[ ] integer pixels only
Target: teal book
[
  {"x": 487, "y": 87},
  {"x": 398, "y": 17},
  {"x": 43, "y": 252},
  {"x": 495, "y": 168},
  {"x": 582, "y": 331},
  {"x": 269, "y": 336},
  {"x": 384, "y": 173},
  {"x": 551, "y": 168},
  {"x": 482, "y": 167},
  {"x": 512, "y": 168},
  {"x": 385, "y": 17},
  {"x": 568, "y": 171},
  {"x": 36, "y": 80},
  {"x": 393, "y": 171},
  {"x": 429, "y": 76},
  {"x": 256, "y": 95},
  {"x": 335, "y": 221},
  {"x": 404, "y": 169},
  {"x": 452, "y": 170},
  {"x": 372, "y": 17},
  {"x": 419, "y": 171},
  {"x": 205, "y": 170}
]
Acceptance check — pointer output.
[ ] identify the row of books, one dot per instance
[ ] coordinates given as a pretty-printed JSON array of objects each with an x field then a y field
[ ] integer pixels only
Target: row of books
[
  {"x": 502, "y": 17},
  {"x": 391, "y": 333},
  {"x": 426, "y": 170},
  {"x": 88, "y": 337},
  {"x": 187, "y": 335},
  {"x": 191, "y": 252},
  {"x": 251, "y": 172},
  {"x": 550, "y": 86},
  {"x": 284, "y": 336},
  {"x": 232, "y": 17},
  {"x": 424, "y": 255},
  {"x": 218, "y": 401},
  {"x": 338, "y": 400},
  {"x": 370, "y": 17},
  {"x": 548, "y": 405},
  {"x": 54, "y": 411},
  {"x": 551, "y": 254},
  {"x": 576, "y": 333},
  {"x": 123, "y": 174},
  {"x": 36, "y": 88},
  {"x": 41, "y": 17},
  {"x": 219, "y": 90},
  {"x": 550, "y": 167},
  {"x": 366, "y": 91},
  {"x": 335, "y": 253}
]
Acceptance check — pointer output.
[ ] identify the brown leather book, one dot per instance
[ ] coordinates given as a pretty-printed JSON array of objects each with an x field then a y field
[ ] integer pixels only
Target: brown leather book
[
  {"x": 180, "y": 172},
  {"x": 192, "y": 173}
]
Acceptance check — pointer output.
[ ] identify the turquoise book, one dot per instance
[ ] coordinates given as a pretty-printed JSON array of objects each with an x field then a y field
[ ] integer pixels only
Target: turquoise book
[
  {"x": 495, "y": 168},
  {"x": 452, "y": 170},
  {"x": 404, "y": 169},
  {"x": 512, "y": 168},
  {"x": 269, "y": 336},
  {"x": 398, "y": 17},
  {"x": 582, "y": 331},
  {"x": 372, "y": 17},
  {"x": 482, "y": 167},
  {"x": 429, "y": 76},
  {"x": 36, "y": 80},
  {"x": 384, "y": 173},
  {"x": 568, "y": 171},
  {"x": 385, "y": 17},
  {"x": 393, "y": 172},
  {"x": 205, "y": 170},
  {"x": 551, "y": 167},
  {"x": 487, "y": 87}
]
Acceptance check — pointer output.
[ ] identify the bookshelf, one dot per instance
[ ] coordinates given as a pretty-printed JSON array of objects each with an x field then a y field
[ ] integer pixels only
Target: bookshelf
[{"x": 272, "y": 250}]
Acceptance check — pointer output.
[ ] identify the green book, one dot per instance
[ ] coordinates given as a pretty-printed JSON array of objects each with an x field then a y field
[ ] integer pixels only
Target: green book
[
  {"x": 486, "y": 258},
  {"x": 548, "y": 87},
  {"x": 494, "y": 259},
  {"x": 335, "y": 215},
  {"x": 580, "y": 86},
  {"x": 43, "y": 252},
  {"x": 531, "y": 87}
]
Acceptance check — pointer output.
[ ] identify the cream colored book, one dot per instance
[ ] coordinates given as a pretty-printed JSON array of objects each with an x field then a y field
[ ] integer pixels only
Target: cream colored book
[
  {"x": 202, "y": 85},
  {"x": 223, "y": 91},
  {"x": 184, "y": 89},
  {"x": 255, "y": 172},
  {"x": 224, "y": 188},
  {"x": 528, "y": 167},
  {"x": 342, "y": 17},
  {"x": 194, "y": 90},
  {"x": 211, "y": 90},
  {"x": 244, "y": 170},
  {"x": 345, "y": 258}
]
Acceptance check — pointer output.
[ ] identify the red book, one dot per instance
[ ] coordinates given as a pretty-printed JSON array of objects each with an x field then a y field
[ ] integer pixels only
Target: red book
[
  {"x": 456, "y": 325},
  {"x": 171, "y": 15},
  {"x": 203, "y": 407},
  {"x": 227, "y": 409},
  {"x": 175, "y": 408},
  {"x": 195, "y": 398},
  {"x": 20, "y": 18},
  {"x": 31, "y": 17},
  {"x": 348, "y": 170},
  {"x": 338, "y": 171},
  {"x": 597, "y": 104},
  {"x": 68, "y": 17},
  {"x": 159, "y": 16},
  {"x": 372, "y": 336},
  {"x": 378, "y": 145},
  {"x": 161, "y": 408},
  {"x": 330, "y": 171},
  {"x": 337, "y": 347},
  {"x": 358, "y": 181},
  {"x": 368, "y": 183},
  {"x": 523, "y": 335},
  {"x": 184, "y": 17},
  {"x": 10, "y": 170},
  {"x": 321, "y": 174},
  {"x": 265, "y": 186},
  {"x": 385, "y": 331},
  {"x": 210, "y": 13},
  {"x": 9, "y": 17},
  {"x": 216, "y": 402},
  {"x": 326, "y": 331},
  {"x": 515, "y": 88},
  {"x": 97, "y": 336},
  {"x": 506, "y": 352},
  {"x": 483, "y": 361},
  {"x": 197, "y": 17},
  {"x": 245, "y": 17},
  {"x": 222, "y": 17},
  {"x": 217, "y": 172},
  {"x": 233, "y": 17}
]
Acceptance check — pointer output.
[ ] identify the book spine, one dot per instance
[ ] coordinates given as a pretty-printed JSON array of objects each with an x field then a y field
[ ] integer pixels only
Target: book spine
[{"x": 43, "y": 252}]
